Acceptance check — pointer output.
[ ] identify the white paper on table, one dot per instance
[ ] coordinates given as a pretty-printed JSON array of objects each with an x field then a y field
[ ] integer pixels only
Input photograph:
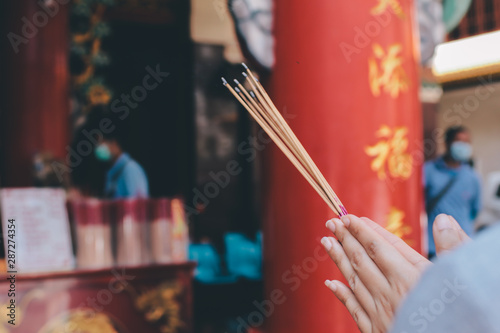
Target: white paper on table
[{"x": 42, "y": 237}]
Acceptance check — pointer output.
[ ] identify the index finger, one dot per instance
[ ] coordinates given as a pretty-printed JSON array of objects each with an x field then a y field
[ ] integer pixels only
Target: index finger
[
  {"x": 389, "y": 260},
  {"x": 406, "y": 251}
]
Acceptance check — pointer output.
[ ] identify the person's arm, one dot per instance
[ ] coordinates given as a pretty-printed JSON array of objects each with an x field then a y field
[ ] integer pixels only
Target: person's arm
[
  {"x": 442, "y": 301},
  {"x": 459, "y": 294},
  {"x": 476, "y": 200},
  {"x": 425, "y": 180},
  {"x": 136, "y": 182},
  {"x": 424, "y": 177},
  {"x": 379, "y": 267}
]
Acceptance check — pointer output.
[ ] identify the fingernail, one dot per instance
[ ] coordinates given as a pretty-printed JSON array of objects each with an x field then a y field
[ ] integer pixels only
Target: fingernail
[
  {"x": 330, "y": 225},
  {"x": 345, "y": 219},
  {"x": 326, "y": 243},
  {"x": 443, "y": 222},
  {"x": 330, "y": 285},
  {"x": 453, "y": 222}
]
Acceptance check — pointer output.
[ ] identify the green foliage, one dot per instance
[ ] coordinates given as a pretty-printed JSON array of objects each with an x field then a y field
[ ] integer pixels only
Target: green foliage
[
  {"x": 100, "y": 59},
  {"x": 88, "y": 30},
  {"x": 82, "y": 8},
  {"x": 107, "y": 3},
  {"x": 101, "y": 29},
  {"x": 78, "y": 49}
]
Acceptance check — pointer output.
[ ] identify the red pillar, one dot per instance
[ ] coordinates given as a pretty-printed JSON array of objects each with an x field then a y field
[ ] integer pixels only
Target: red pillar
[
  {"x": 36, "y": 86},
  {"x": 347, "y": 70}
]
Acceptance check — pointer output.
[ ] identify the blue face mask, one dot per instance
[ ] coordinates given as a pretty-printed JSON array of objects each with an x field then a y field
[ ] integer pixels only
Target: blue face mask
[
  {"x": 102, "y": 152},
  {"x": 461, "y": 151}
]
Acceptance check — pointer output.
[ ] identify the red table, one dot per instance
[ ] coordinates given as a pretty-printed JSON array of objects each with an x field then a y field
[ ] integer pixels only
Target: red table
[{"x": 150, "y": 299}]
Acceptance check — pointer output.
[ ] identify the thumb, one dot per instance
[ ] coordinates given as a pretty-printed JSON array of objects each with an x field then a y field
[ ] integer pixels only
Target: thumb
[{"x": 447, "y": 234}]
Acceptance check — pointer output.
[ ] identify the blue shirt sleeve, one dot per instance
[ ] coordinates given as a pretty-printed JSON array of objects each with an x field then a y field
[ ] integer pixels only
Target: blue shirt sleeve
[
  {"x": 136, "y": 181},
  {"x": 476, "y": 200},
  {"x": 426, "y": 176}
]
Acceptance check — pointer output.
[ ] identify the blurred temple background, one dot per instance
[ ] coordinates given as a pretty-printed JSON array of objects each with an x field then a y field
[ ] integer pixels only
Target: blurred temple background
[{"x": 145, "y": 198}]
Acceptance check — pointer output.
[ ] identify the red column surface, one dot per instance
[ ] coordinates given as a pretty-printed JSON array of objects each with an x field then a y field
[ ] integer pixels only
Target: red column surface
[
  {"x": 347, "y": 71},
  {"x": 36, "y": 108}
]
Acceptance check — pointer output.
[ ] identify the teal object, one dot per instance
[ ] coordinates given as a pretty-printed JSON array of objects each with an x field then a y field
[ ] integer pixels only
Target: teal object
[
  {"x": 208, "y": 269},
  {"x": 208, "y": 261},
  {"x": 102, "y": 152},
  {"x": 453, "y": 12},
  {"x": 244, "y": 257}
]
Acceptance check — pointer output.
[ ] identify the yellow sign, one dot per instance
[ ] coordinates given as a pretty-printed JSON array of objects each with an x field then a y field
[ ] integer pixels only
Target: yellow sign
[
  {"x": 395, "y": 224},
  {"x": 384, "y": 5},
  {"x": 386, "y": 71},
  {"x": 390, "y": 152}
]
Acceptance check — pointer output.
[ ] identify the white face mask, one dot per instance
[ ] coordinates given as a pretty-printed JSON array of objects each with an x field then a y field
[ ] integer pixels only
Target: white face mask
[{"x": 461, "y": 151}]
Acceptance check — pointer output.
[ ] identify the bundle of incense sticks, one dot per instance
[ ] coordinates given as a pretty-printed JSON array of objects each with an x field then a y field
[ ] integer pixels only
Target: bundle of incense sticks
[{"x": 258, "y": 103}]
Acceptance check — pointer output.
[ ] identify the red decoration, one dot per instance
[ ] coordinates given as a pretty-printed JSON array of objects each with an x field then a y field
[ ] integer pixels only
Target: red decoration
[{"x": 338, "y": 106}]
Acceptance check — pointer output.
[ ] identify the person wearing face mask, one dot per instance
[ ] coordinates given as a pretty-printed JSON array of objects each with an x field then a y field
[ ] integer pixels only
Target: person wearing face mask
[
  {"x": 125, "y": 177},
  {"x": 452, "y": 186}
]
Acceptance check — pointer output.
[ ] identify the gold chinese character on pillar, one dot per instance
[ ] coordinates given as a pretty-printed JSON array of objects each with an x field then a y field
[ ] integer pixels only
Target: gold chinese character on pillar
[
  {"x": 395, "y": 223},
  {"x": 390, "y": 153},
  {"x": 384, "y": 5},
  {"x": 386, "y": 71}
]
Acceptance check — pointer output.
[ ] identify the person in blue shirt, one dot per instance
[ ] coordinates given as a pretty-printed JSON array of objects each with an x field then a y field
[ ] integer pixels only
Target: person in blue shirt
[
  {"x": 452, "y": 186},
  {"x": 125, "y": 178}
]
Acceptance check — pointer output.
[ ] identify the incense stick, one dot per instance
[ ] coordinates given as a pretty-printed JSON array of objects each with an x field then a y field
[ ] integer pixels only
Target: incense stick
[{"x": 260, "y": 106}]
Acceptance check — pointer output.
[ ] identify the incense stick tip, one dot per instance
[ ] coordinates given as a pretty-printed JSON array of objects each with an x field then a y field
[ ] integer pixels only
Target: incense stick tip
[
  {"x": 244, "y": 65},
  {"x": 236, "y": 81},
  {"x": 244, "y": 74},
  {"x": 224, "y": 81},
  {"x": 252, "y": 94},
  {"x": 237, "y": 90}
]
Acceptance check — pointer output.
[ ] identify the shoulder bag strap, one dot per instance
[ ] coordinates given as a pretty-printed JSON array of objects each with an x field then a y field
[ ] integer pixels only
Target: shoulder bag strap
[{"x": 434, "y": 201}]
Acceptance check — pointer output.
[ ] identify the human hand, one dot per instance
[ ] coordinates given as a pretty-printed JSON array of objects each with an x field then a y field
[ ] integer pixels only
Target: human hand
[
  {"x": 447, "y": 234},
  {"x": 379, "y": 267}
]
